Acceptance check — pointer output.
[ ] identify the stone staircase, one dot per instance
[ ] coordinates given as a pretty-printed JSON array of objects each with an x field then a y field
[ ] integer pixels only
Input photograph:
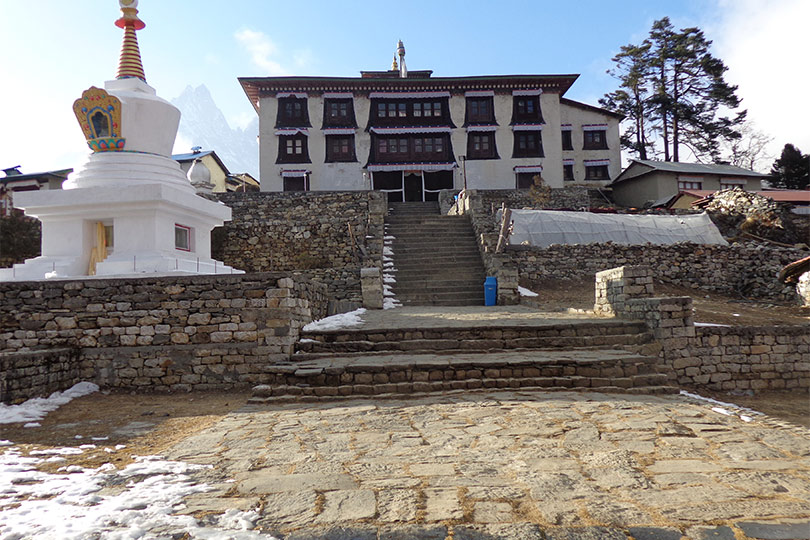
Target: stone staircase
[
  {"x": 601, "y": 356},
  {"x": 435, "y": 257}
]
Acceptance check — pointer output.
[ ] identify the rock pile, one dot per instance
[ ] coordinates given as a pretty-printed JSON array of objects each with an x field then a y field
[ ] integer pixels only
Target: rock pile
[{"x": 737, "y": 212}]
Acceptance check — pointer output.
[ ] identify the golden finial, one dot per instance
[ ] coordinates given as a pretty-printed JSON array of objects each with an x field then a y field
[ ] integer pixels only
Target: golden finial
[
  {"x": 130, "y": 65},
  {"x": 394, "y": 66}
]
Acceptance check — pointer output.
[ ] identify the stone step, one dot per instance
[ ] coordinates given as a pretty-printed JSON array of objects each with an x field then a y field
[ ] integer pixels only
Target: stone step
[
  {"x": 468, "y": 345},
  {"x": 591, "y": 370},
  {"x": 457, "y": 242},
  {"x": 438, "y": 259},
  {"x": 406, "y": 286},
  {"x": 608, "y": 327}
]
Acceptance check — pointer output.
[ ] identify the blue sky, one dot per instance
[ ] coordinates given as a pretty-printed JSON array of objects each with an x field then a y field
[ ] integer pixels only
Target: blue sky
[{"x": 54, "y": 50}]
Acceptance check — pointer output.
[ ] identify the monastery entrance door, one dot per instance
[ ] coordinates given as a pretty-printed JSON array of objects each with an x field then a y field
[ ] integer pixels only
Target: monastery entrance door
[{"x": 413, "y": 187}]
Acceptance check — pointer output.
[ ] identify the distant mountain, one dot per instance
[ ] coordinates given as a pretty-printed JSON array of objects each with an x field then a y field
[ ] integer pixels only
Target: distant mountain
[{"x": 203, "y": 124}]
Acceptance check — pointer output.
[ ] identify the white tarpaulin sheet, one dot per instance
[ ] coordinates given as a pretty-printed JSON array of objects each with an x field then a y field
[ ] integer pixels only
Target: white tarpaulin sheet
[{"x": 543, "y": 228}]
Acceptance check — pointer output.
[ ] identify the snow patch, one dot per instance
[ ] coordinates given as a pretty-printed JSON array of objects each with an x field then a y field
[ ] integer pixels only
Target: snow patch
[
  {"x": 526, "y": 292},
  {"x": 728, "y": 409},
  {"x": 37, "y": 408},
  {"x": 709, "y": 324},
  {"x": 336, "y": 322}
]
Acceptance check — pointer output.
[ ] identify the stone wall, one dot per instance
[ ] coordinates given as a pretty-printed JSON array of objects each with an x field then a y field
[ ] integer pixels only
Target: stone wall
[
  {"x": 37, "y": 373},
  {"x": 747, "y": 270},
  {"x": 744, "y": 270},
  {"x": 715, "y": 357},
  {"x": 746, "y": 358},
  {"x": 160, "y": 333},
  {"x": 329, "y": 235}
]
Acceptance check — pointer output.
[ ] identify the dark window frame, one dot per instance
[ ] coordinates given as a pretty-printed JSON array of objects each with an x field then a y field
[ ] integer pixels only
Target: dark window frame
[
  {"x": 287, "y": 115},
  {"x": 289, "y": 179},
  {"x": 590, "y": 141},
  {"x": 409, "y": 112},
  {"x": 526, "y": 110},
  {"x": 479, "y": 137},
  {"x": 430, "y": 148},
  {"x": 528, "y": 144},
  {"x": 284, "y": 156},
  {"x": 338, "y": 120},
  {"x": 568, "y": 172},
  {"x": 567, "y": 140},
  {"x": 590, "y": 172},
  {"x": 341, "y": 156},
  {"x": 473, "y": 113}
]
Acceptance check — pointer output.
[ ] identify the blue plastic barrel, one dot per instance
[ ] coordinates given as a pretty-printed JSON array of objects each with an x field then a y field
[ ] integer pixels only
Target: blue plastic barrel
[{"x": 490, "y": 291}]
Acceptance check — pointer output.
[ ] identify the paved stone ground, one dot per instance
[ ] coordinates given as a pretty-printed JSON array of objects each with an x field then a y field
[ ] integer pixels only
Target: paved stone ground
[{"x": 507, "y": 465}]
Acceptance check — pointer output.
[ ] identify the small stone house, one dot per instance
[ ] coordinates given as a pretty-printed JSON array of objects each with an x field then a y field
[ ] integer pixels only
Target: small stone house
[{"x": 646, "y": 182}]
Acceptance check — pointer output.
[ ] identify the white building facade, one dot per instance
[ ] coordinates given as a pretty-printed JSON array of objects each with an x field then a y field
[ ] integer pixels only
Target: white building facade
[{"x": 411, "y": 134}]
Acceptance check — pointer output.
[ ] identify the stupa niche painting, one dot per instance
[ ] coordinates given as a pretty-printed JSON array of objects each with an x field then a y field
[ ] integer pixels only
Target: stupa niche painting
[{"x": 128, "y": 209}]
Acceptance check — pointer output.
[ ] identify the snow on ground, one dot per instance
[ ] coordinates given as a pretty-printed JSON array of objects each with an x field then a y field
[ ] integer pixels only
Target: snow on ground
[
  {"x": 709, "y": 324},
  {"x": 74, "y": 505},
  {"x": 336, "y": 322},
  {"x": 727, "y": 409},
  {"x": 36, "y": 408},
  {"x": 526, "y": 292}
]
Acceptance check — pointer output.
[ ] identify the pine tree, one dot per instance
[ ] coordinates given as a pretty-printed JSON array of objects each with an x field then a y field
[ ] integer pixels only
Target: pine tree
[
  {"x": 686, "y": 92},
  {"x": 792, "y": 169},
  {"x": 632, "y": 97}
]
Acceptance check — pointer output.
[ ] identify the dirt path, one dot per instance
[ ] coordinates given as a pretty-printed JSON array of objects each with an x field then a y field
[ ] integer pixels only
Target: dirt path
[{"x": 709, "y": 307}]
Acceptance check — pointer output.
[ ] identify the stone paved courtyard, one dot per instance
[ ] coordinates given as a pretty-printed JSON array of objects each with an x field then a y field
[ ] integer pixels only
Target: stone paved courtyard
[{"x": 514, "y": 465}]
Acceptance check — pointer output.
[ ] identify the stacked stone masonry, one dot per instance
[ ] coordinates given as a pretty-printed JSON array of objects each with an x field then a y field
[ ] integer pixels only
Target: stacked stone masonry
[
  {"x": 715, "y": 357},
  {"x": 159, "y": 333},
  {"x": 37, "y": 373},
  {"x": 748, "y": 270},
  {"x": 745, "y": 358},
  {"x": 329, "y": 235}
]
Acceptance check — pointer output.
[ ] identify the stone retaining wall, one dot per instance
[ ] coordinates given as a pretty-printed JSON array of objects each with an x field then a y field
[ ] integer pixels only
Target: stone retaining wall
[
  {"x": 747, "y": 270},
  {"x": 160, "y": 333},
  {"x": 37, "y": 373},
  {"x": 746, "y": 358},
  {"x": 328, "y": 234},
  {"x": 715, "y": 357}
]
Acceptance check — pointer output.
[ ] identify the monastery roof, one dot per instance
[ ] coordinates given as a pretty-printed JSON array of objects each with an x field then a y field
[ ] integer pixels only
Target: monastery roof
[{"x": 256, "y": 87}]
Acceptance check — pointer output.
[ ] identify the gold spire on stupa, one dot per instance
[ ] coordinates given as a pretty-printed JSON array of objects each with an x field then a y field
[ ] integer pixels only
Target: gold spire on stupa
[
  {"x": 129, "y": 65},
  {"x": 394, "y": 66}
]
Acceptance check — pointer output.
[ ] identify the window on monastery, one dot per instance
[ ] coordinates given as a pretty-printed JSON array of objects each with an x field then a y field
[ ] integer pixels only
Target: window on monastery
[
  {"x": 731, "y": 184},
  {"x": 525, "y": 180},
  {"x": 528, "y": 144},
  {"x": 481, "y": 146},
  {"x": 338, "y": 113},
  {"x": 597, "y": 172},
  {"x": 566, "y": 140},
  {"x": 426, "y": 109},
  {"x": 568, "y": 173},
  {"x": 480, "y": 111},
  {"x": 428, "y": 149},
  {"x": 526, "y": 110},
  {"x": 296, "y": 183},
  {"x": 292, "y": 112},
  {"x": 340, "y": 148},
  {"x": 686, "y": 184},
  {"x": 595, "y": 140},
  {"x": 292, "y": 149}
]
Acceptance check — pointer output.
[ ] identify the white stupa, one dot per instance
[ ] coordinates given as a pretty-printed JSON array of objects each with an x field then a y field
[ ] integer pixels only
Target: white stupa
[{"x": 128, "y": 209}]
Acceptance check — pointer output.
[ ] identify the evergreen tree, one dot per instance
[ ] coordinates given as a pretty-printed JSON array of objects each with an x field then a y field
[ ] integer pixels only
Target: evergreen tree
[
  {"x": 632, "y": 97},
  {"x": 686, "y": 92},
  {"x": 792, "y": 169}
]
